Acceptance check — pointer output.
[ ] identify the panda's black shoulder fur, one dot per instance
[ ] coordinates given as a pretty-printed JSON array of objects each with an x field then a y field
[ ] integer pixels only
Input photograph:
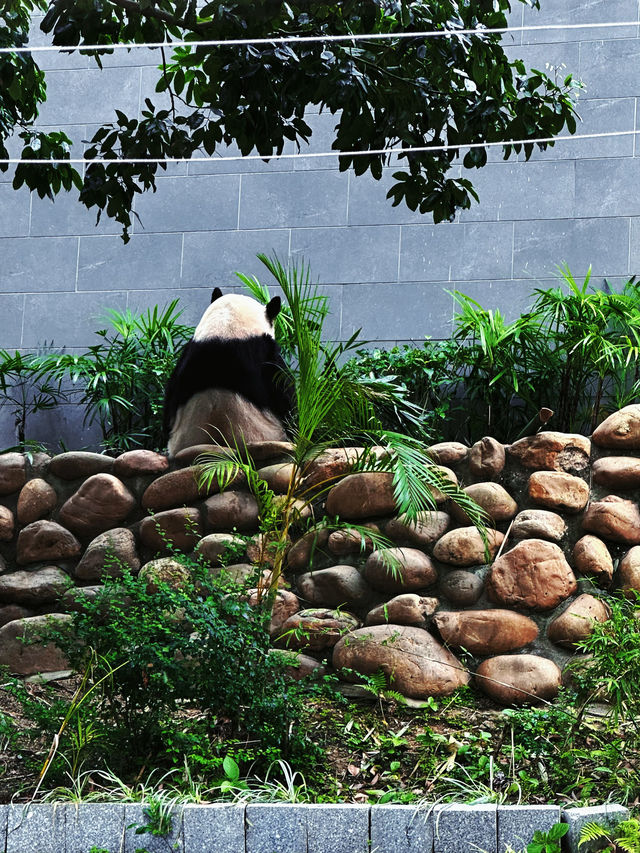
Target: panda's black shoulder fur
[{"x": 252, "y": 367}]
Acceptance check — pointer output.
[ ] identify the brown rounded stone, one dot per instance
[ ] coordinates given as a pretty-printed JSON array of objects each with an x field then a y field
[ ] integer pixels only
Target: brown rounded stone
[
  {"x": 348, "y": 541},
  {"x": 576, "y": 622},
  {"x": 486, "y": 632},
  {"x": 427, "y": 528},
  {"x": 79, "y": 463},
  {"x": 216, "y": 546},
  {"x": 11, "y": 612},
  {"x": 37, "y": 499},
  {"x": 12, "y": 473},
  {"x": 406, "y": 609},
  {"x": 181, "y": 527},
  {"x": 448, "y": 452},
  {"x": 519, "y": 679},
  {"x": 533, "y": 574},
  {"x": 538, "y": 524},
  {"x": 316, "y": 629},
  {"x": 413, "y": 661},
  {"x": 620, "y": 430},
  {"x": 494, "y": 499},
  {"x": 277, "y": 477},
  {"x": 399, "y": 570},
  {"x": 628, "y": 576},
  {"x": 34, "y": 589},
  {"x": 466, "y": 547},
  {"x": 302, "y": 552},
  {"x": 7, "y": 524},
  {"x": 614, "y": 518},
  {"x": 557, "y": 490},
  {"x": 100, "y": 503},
  {"x": 461, "y": 588},
  {"x": 22, "y": 650},
  {"x": 338, "y": 586},
  {"x": 165, "y": 570},
  {"x": 591, "y": 557},
  {"x": 617, "y": 472},
  {"x": 446, "y": 474},
  {"x": 261, "y": 450},
  {"x": 285, "y": 604},
  {"x": 42, "y": 541},
  {"x": 136, "y": 462},
  {"x": 39, "y": 464},
  {"x": 362, "y": 496},
  {"x": 303, "y": 666},
  {"x": 175, "y": 489},
  {"x": 330, "y": 465},
  {"x": 188, "y": 455},
  {"x": 108, "y": 555},
  {"x": 552, "y": 451},
  {"x": 230, "y": 510},
  {"x": 487, "y": 458}
]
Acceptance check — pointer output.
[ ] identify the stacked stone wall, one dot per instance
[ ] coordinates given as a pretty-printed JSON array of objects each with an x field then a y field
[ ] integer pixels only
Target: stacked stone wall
[{"x": 441, "y": 607}]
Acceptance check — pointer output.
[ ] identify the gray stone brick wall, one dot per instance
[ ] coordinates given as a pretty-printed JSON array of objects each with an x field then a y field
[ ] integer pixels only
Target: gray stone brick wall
[{"x": 387, "y": 270}]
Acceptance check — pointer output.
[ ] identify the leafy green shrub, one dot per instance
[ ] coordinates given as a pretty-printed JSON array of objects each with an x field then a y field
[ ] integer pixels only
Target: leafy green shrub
[
  {"x": 189, "y": 673},
  {"x": 425, "y": 377},
  {"x": 123, "y": 379},
  {"x": 611, "y": 672}
]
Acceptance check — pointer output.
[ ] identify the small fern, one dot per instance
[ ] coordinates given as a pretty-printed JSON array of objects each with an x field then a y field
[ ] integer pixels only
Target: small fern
[{"x": 625, "y": 836}]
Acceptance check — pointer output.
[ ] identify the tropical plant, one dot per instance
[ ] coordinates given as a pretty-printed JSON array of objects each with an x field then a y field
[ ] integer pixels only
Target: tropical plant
[
  {"x": 331, "y": 410},
  {"x": 590, "y": 339},
  {"x": 122, "y": 379},
  {"x": 427, "y": 378},
  {"x": 28, "y": 385},
  {"x": 494, "y": 361}
]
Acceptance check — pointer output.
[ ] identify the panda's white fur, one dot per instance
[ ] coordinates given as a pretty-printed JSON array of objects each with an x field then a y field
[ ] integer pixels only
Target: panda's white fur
[
  {"x": 233, "y": 316},
  {"x": 224, "y": 389}
]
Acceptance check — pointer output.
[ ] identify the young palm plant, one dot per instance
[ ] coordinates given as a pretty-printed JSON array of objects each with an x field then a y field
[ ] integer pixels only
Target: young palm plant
[{"x": 332, "y": 410}]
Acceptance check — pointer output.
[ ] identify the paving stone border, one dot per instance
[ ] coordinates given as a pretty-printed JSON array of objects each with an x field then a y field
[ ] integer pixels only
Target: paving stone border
[{"x": 289, "y": 828}]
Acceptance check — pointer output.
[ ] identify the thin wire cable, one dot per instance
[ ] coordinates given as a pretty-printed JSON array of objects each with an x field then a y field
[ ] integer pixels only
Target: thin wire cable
[
  {"x": 316, "y": 154},
  {"x": 426, "y": 34}
]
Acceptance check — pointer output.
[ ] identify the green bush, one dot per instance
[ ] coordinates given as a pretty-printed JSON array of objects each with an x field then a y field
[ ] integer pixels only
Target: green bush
[{"x": 184, "y": 674}]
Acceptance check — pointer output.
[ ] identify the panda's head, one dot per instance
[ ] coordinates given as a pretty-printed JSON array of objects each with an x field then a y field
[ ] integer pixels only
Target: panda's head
[{"x": 234, "y": 316}]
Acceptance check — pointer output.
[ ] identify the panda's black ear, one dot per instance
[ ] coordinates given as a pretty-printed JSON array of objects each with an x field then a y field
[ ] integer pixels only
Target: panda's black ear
[
  {"x": 273, "y": 308},
  {"x": 216, "y": 294}
]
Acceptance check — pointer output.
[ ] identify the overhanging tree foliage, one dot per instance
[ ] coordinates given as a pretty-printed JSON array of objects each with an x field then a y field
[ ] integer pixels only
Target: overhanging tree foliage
[{"x": 393, "y": 92}]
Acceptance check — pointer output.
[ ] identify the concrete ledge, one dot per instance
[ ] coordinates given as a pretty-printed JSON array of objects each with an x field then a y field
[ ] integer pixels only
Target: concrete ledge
[{"x": 287, "y": 828}]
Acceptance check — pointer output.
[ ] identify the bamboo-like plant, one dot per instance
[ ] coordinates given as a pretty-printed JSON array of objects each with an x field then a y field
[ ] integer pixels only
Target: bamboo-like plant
[
  {"x": 332, "y": 410},
  {"x": 121, "y": 380}
]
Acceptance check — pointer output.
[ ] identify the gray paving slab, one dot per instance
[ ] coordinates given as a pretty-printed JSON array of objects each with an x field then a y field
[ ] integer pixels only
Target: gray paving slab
[
  {"x": 337, "y": 828},
  {"x": 135, "y": 818},
  {"x": 36, "y": 828},
  {"x": 90, "y": 825},
  {"x": 465, "y": 829},
  {"x": 606, "y": 815},
  {"x": 516, "y": 824},
  {"x": 217, "y": 828},
  {"x": 401, "y": 829},
  {"x": 275, "y": 828},
  {"x": 4, "y": 815}
]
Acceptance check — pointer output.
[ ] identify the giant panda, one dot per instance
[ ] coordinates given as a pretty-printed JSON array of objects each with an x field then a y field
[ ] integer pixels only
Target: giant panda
[{"x": 229, "y": 385}]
